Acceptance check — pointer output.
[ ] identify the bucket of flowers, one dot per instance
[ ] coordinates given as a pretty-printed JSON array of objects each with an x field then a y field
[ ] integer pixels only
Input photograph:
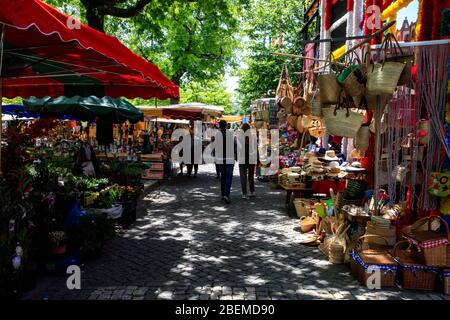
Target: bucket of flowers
[{"x": 58, "y": 241}]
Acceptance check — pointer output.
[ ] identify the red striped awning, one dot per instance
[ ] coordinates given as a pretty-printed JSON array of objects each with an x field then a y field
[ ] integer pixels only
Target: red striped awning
[{"x": 43, "y": 56}]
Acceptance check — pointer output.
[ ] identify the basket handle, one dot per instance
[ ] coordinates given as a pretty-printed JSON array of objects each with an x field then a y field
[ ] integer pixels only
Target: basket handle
[
  {"x": 397, "y": 245},
  {"x": 371, "y": 236},
  {"x": 430, "y": 218}
]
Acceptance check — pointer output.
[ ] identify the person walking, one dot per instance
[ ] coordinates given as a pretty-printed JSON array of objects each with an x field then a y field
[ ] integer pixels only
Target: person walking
[
  {"x": 225, "y": 159},
  {"x": 246, "y": 167},
  {"x": 192, "y": 164}
]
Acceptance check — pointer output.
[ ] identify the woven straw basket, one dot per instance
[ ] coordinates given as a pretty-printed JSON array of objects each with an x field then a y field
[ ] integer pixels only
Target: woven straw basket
[
  {"x": 382, "y": 79},
  {"x": 429, "y": 246},
  {"x": 339, "y": 124},
  {"x": 329, "y": 88},
  {"x": 412, "y": 275},
  {"x": 376, "y": 258}
]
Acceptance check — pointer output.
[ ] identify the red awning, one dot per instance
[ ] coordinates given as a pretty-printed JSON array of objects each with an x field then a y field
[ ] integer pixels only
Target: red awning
[{"x": 44, "y": 57}]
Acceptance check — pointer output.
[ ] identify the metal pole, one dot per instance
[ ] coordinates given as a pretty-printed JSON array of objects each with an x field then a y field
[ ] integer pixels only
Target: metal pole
[{"x": 377, "y": 152}]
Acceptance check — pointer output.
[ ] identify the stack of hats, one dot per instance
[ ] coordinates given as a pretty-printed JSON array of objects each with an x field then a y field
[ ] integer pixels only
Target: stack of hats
[
  {"x": 314, "y": 166},
  {"x": 330, "y": 155},
  {"x": 334, "y": 170},
  {"x": 355, "y": 167}
]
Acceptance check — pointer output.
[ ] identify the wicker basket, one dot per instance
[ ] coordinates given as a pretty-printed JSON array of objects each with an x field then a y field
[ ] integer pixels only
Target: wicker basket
[
  {"x": 430, "y": 247},
  {"x": 388, "y": 234},
  {"x": 363, "y": 259},
  {"x": 303, "y": 207},
  {"x": 411, "y": 274},
  {"x": 446, "y": 278},
  {"x": 382, "y": 79},
  {"x": 330, "y": 88}
]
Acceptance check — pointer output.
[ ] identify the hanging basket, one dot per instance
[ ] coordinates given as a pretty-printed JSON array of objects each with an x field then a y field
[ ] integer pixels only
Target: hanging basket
[
  {"x": 330, "y": 89},
  {"x": 382, "y": 79},
  {"x": 342, "y": 122}
]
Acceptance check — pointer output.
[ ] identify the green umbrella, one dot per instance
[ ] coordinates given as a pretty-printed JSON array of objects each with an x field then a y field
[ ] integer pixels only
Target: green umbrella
[{"x": 85, "y": 108}]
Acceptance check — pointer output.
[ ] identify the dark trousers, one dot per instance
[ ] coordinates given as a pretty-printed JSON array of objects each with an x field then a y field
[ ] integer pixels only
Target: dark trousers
[
  {"x": 218, "y": 170},
  {"x": 226, "y": 178},
  {"x": 189, "y": 168},
  {"x": 247, "y": 173}
]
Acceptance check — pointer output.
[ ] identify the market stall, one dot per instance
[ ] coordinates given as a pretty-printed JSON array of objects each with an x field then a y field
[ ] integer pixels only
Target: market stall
[
  {"x": 59, "y": 203},
  {"x": 364, "y": 149}
]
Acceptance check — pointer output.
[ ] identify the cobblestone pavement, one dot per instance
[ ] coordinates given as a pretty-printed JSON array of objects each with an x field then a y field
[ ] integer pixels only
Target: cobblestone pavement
[{"x": 188, "y": 245}]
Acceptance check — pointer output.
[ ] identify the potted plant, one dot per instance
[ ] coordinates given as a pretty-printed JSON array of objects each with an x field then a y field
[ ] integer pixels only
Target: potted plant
[{"x": 58, "y": 241}]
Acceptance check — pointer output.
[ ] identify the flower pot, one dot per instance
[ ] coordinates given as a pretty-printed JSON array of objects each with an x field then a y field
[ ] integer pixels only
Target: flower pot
[{"x": 58, "y": 250}]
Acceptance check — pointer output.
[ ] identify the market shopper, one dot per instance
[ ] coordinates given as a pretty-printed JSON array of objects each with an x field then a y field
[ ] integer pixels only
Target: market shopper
[
  {"x": 225, "y": 158},
  {"x": 246, "y": 167},
  {"x": 192, "y": 163}
]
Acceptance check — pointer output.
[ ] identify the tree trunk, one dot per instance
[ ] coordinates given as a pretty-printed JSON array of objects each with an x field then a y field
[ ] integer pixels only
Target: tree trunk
[{"x": 95, "y": 19}]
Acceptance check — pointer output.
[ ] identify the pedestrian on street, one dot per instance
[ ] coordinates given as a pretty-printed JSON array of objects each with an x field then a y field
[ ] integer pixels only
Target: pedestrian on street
[
  {"x": 246, "y": 167},
  {"x": 192, "y": 163},
  {"x": 225, "y": 158}
]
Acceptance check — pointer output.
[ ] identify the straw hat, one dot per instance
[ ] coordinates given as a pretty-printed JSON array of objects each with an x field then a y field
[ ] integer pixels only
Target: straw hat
[
  {"x": 330, "y": 155},
  {"x": 355, "y": 167},
  {"x": 334, "y": 169}
]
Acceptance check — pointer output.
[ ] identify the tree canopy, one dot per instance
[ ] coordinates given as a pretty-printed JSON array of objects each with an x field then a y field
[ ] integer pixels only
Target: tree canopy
[
  {"x": 194, "y": 42},
  {"x": 268, "y": 27}
]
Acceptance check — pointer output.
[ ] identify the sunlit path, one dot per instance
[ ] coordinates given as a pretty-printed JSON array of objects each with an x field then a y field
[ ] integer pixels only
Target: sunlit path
[{"x": 188, "y": 244}]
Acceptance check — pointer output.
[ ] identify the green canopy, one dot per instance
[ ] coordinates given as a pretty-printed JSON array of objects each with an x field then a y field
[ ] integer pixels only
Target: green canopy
[{"x": 85, "y": 108}]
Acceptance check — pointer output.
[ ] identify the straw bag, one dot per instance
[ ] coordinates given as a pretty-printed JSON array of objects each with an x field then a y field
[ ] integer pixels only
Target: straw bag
[
  {"x": 353, "y": 78},
  {"x": 316, "y": 105},
  {"x": 329, "y": 87},
  {"x": 391, "y": 44},
  {"x": 362, "y": 137},
  {"x": 382, "y": 79},
  {"x": 292, "y": 121},
  {"x": 341, "y": 121},
  {"x": 365, "y": 259},
  {"x": 412, "y": 274},
  {"x": 299, "y": 124},
  {"x": 285, "y": 92},
  {"x": 430, "y": 247},
  {"x": 303, "y": 207}
]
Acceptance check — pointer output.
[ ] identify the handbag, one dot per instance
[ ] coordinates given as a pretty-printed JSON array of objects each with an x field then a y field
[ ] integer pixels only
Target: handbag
[
  {"x": 285, "y": 92},
  {"x": 391, "y": 44},
  {"x": 353, "y": 78},
  {"x": 341, "y": 121},
  {"x": 330, "y": 89},
  {"x": 383, "y": 78}
]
